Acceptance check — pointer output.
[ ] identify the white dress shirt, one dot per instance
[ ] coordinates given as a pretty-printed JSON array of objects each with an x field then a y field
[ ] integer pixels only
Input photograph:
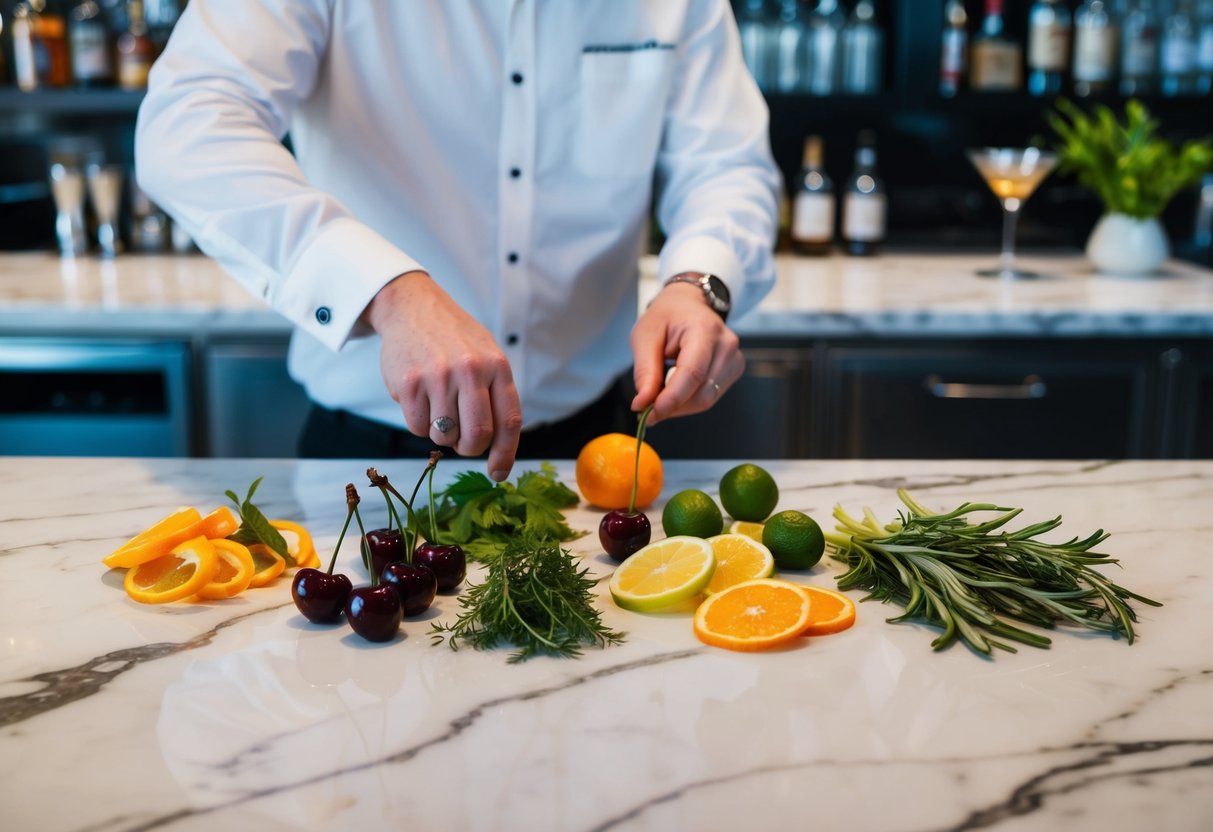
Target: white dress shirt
[{"x": 510, "y": 148}]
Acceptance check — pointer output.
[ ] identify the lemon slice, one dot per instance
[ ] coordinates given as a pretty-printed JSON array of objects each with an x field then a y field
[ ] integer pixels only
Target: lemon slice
[
  {"x": 738, "y": 558},
  {"x": 750, "y": 530},
  {"x": 663, "y": 574}
]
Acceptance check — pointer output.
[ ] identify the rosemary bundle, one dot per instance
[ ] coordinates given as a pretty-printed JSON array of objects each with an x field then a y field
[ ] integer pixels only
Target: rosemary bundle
[
  {"x": 533, "y": 597},
  {"x": 974, "y": 579}
]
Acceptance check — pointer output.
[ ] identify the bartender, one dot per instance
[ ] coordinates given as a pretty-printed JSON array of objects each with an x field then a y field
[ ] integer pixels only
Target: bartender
[{"x": 456, "y": 235}]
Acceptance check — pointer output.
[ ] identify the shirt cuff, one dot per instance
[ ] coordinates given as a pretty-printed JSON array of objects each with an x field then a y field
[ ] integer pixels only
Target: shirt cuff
[
  {"x": 334, "y": 279},
  {"x": 705, "y": 255}
]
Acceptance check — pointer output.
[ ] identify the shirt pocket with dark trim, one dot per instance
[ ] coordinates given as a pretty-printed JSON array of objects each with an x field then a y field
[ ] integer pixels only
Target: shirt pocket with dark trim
[{"x": 623, "y": 93}]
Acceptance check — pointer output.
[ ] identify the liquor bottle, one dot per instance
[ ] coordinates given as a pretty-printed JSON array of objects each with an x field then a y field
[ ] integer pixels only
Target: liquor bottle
[
  {"x": 862, "y": 51},
  {"x": 997, "y": 60},
  {"x": 1204, "y": 48},
  {"x": 813, "y": 209},
  {"x": 1178, "y": 52},
  {"x": 135, "y": 50},
  {"x": 88, "y": 35},
  {"x": 863, "y": 203},
  {"x": 1048, "y": 46},
  {"x": 757, "y": 48},
  {"x": 1095, "y": 44},
  {"x": 822, "y": 52},
  {"x": 789, "y": 47},
  {"x": 1139, "y": 49},
  {"x": 954, "y": 54},
  {"x": 39, "y": 47}
]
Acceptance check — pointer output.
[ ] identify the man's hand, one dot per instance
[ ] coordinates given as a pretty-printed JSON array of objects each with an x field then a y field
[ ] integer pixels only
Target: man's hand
[
  {"x": 679, "y": 324},
  {"x": 437, "y": 361}
]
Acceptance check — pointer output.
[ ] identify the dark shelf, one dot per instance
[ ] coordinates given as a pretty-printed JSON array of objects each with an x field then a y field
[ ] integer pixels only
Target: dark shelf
[{"x": 98, "y": 102}]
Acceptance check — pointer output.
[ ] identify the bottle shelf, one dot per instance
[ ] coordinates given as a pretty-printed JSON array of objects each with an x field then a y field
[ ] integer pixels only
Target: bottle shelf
[{"x": 71, "y": 102}]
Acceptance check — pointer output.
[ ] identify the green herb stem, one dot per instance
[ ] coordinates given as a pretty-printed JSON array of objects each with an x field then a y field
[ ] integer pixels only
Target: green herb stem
[{"x": 972, "y": 580}]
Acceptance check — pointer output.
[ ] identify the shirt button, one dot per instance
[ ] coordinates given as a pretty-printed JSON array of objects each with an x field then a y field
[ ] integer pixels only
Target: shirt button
[
  {"x": 324, "y": 314},
  {"x": 512, "y": 257},
  {"x": 511, "y": 339},
  {"x": 516, "y": 77},
  {"x": 515, "y": 173}
]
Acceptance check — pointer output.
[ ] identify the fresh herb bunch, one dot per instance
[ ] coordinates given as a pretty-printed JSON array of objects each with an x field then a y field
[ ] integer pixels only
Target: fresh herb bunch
[
  {"x": 973, "y": 580},
  {"x": 533, "y": 597},
  {"x": 254, "y": 527},
  {"x": 484, "y": 517},
  {"x": 1132, "y": 169}
]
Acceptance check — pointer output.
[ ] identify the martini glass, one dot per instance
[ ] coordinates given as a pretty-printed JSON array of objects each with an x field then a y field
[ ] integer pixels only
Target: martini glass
[{"x": 1013, "y": 175}]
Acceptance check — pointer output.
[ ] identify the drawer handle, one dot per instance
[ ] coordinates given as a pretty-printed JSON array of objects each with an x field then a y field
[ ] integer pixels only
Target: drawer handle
[{"x": 1032, "y": 387}]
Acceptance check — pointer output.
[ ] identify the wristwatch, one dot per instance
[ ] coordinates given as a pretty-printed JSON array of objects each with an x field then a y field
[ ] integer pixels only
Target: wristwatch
[{"x": 714, "y": 290}]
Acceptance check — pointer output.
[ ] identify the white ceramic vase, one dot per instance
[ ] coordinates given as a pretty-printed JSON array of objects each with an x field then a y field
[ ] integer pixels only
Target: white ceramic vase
[{"x": 1121, "y": 244}]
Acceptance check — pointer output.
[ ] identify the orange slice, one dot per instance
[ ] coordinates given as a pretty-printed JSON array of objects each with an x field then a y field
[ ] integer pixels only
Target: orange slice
[
  {"x": 753, "y": 615},
  {"x": 298, "y": 543},
  {"x": 180, "y": 526},
  {"x": 179, "y": 574},
  {"x": 267, "y": 564},
  {"x": 233, "y": 570},
  {"x": 832, "y": 612}
]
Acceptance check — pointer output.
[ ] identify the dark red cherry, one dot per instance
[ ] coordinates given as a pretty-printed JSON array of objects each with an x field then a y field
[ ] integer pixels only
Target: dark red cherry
[
  {"x": 320, "y": 596},
  {"x": 386, "y": 545},
  {"x": 446, "y": 561},
  {"x": 374, "y": 612},
  {"x": 623, "y": 534},
  {"x": 415, "y": 584}
]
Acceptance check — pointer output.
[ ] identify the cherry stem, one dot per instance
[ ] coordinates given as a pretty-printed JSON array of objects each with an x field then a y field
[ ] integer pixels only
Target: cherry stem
[
  {"x": 365, "y": 549},
  {"x": 351, "y": 505},
  {"x": 644, "y": 417},
  {"x": 433, "y": 521}
]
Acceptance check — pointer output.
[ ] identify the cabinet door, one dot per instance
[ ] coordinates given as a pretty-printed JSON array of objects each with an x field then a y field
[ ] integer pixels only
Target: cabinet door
[
  {"x": 253, "y": 407},
  {"x": 73, "y": 397},
  {"x": 762, "y": 416},
  {"x": 995, "y": 401},
  {"x": 1189, "y": 423}
]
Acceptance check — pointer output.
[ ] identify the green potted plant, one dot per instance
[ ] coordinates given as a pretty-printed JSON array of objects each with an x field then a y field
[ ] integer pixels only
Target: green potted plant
[{"x": 1134, "y": 172}]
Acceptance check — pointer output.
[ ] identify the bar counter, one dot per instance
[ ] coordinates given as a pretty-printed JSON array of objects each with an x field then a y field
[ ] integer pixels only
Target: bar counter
[
  {"x": 893, "y": 295},
  {"x": 241, "y": 715}
]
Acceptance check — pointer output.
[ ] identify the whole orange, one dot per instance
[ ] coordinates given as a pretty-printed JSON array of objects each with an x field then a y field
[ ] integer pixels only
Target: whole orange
[{"x": 604, "y": 471}]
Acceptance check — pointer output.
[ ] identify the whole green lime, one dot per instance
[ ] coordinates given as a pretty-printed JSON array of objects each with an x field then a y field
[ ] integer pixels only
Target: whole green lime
[
  {"x": 748, "y": 492},
  {"x": 692, "y": 512},
  {"x": 795, "y": 540}
]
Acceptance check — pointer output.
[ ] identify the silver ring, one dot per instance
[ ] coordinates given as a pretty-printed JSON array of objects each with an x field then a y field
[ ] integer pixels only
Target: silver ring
[
  {"x": 443, "y": 424},
  {"x": 715, "y": 386}
]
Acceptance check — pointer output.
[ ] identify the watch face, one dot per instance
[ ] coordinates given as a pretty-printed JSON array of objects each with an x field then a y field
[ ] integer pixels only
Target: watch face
[{"x": 719, "y": 294}]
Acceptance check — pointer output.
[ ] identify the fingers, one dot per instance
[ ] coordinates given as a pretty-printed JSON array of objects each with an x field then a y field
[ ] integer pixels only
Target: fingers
[
  {"x": 696, "y": 382},
  {"x": 648, "y": 349},
  {"x": 507, "y": 421}
]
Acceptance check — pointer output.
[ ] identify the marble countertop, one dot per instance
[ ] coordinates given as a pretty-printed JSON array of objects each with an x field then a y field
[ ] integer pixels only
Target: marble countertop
[
  {"x": 894, "y": 295},
  {"x": 240, "y": 715}
]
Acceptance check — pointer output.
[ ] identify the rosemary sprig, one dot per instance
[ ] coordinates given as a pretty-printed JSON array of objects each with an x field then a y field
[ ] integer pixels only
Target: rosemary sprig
[
  {"x": 533, "y": 597},
  {"x": 973, "y": 580}
]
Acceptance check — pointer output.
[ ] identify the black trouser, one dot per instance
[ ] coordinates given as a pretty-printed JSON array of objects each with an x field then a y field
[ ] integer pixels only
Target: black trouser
[{"x": 336, "y": 434}]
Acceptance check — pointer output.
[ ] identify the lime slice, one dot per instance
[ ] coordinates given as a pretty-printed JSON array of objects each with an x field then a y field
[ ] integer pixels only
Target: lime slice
[
  {"x": 749, "y": 529},
  {"x": 664, "y": 573},
  {"x": 738, "y": 558}
]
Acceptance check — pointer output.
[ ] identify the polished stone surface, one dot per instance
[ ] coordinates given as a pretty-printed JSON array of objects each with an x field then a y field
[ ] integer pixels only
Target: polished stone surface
[
  {"x": 241, "y": 715},
  {"x": 894, "y": 295}
]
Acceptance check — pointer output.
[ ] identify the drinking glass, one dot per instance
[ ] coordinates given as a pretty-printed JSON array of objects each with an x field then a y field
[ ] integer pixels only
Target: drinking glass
[{"x": 1013, "y": 174}]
